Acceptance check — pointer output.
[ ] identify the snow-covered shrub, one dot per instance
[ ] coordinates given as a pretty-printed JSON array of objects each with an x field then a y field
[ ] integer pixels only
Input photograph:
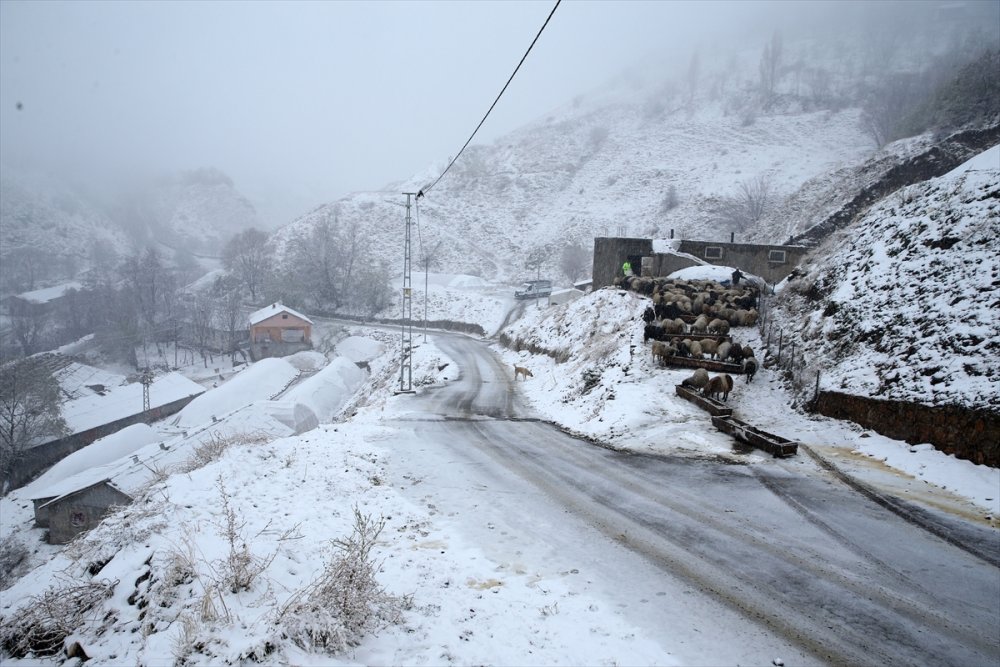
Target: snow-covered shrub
[
  {"x": 41, "y": 625},
  {"x": 213, "y": 448},
  {"x": 345, "y": 601}
]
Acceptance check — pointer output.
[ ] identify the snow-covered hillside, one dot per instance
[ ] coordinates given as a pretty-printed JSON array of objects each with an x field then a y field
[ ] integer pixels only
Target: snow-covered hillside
[
  {"x": 903, "y": 303},
  {"x": 601, "y": 168}
]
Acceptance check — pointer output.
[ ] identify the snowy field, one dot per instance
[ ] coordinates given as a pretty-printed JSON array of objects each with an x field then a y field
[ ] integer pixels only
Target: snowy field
[{"x": 293, "y": 491}]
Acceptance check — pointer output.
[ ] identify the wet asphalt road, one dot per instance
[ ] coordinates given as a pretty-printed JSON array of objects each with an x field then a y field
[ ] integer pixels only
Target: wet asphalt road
[{"x": 829, "y": 575}]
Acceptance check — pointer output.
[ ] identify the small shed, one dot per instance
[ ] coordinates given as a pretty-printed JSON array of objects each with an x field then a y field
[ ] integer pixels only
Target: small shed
[{"x": 277, "y": 331}]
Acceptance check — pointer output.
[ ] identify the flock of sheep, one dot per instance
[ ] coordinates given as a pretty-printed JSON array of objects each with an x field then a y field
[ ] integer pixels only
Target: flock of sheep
[{"x": 702, "y": 309}]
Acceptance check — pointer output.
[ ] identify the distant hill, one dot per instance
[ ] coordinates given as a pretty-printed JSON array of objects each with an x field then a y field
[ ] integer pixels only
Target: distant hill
[{"x": 52, "y": 230}]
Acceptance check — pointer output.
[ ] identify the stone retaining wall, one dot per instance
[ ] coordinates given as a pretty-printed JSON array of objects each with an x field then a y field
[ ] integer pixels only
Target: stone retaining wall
[{"x": 969, "y": 434}]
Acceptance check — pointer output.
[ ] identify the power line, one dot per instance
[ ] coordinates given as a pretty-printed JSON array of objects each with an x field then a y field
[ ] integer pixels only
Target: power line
[{"x": 427, "y": 188}]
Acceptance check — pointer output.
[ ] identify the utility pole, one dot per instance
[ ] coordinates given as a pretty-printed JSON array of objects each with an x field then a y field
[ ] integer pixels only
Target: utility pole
[
  {"x": 406, "y": 362},
  {"x": 146, "y": 379}
]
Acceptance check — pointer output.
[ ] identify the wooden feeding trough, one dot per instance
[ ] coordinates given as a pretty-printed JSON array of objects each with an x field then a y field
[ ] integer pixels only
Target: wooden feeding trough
[
  {"x": 707, "y": 364},
  {"x": 710, "y": 405},
  {"x": 744, "y": 432},
  {"x": 697, "y": 336}
]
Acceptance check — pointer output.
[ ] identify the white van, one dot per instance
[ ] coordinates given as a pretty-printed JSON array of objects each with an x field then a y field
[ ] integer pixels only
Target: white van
[{"x": 534, "y": 289}]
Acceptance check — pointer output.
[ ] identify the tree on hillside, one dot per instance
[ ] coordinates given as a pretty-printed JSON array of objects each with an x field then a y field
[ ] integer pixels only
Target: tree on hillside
[
  {"x": 229, "y": 313},
  {"x": 372, "y": 292},
  {"x": 27, "y": 324},
  {"x": 743, "y": 210},
  {"x": 29, "y": 410},
  {"x": 770, "y": 69},
  {"x": 576, "y": 260},
  {"x": 887, "y": 104},
  {"x": 248, "y": 257}
]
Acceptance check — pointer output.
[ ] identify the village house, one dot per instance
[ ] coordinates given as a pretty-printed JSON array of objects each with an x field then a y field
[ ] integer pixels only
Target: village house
[{"x": 277, "y": 331}]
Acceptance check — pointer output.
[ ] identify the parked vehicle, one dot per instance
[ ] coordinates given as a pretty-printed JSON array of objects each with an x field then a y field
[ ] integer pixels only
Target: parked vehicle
[{"x": 534, "y": 289}]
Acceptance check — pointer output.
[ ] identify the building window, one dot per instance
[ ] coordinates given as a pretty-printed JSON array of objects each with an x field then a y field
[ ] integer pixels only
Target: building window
[
  {"x": 776, "y": 256},
  {"x": 713, "y": 252},
  {"x": 77, "y": 519},
  {"x": 284, "y": 316}
]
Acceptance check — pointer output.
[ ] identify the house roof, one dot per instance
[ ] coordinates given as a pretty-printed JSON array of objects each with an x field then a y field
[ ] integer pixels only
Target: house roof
[
  {"x": 50, "y": 293},
  {"x": 274, "y": 309}
]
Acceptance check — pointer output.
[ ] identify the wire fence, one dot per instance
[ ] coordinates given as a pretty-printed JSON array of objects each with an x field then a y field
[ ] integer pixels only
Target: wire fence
[{"x": 786, "y": 354}]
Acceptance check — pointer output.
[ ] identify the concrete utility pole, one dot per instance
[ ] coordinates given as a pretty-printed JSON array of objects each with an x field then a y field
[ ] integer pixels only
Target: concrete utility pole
[{"x": 406, "y": 362}]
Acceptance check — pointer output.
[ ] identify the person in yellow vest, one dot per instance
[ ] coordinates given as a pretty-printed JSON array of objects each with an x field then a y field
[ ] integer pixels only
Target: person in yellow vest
[{"x": 627, "y": 268}]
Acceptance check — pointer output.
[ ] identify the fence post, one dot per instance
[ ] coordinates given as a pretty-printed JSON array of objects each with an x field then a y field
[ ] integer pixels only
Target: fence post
[
  {"x": 780, "y": 336},
  {"x": 816, "y": 393}
]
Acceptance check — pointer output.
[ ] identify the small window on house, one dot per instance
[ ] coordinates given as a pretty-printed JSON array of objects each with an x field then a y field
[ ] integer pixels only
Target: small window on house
[
  {"x": 77, "y": 519},
  {"x": 713, "y": 252},
  {"x": 284, "y": 316},
  {"x": 776, "y": 256}
]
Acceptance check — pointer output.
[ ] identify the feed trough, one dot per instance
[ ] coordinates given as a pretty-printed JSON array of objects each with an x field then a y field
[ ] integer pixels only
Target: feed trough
[{"x": 751, "y": 435}]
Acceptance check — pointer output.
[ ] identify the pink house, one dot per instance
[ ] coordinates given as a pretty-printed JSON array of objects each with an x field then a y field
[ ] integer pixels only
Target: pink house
[{"x": 277, "y": 330}]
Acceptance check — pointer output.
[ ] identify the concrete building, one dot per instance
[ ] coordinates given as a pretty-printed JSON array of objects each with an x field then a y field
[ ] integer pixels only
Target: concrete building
[{"x": 660, "y": 258}]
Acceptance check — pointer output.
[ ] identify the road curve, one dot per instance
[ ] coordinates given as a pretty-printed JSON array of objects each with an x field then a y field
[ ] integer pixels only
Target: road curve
[{"x": 831, "y": 575}]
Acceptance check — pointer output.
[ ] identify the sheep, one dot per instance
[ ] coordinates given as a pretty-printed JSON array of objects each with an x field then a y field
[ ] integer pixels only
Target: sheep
[
  {"x": 736, "y": 353},
  {"x": 661, "y": 351},
  {"x": 718, "y": 326},
  {"x": 700, "y": 325},
  {"x": 694, "y": 348},
  {"x": 722, "y": 352},
  {"x": 709, "y": 346},
  {"x": 674, "y": 326},
  {"x": 750, "y": 368},
  {"x": 720, "y": 385},
  {"x": 747, "y": 351},
  {"x": 698, "y": 380}
]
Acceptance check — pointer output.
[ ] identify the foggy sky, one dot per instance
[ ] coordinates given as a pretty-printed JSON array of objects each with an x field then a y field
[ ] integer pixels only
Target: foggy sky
[{"x": 301, "y": 103}]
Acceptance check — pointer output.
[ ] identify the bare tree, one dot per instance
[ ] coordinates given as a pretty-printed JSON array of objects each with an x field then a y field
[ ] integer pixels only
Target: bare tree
[
  {"x": 27, "y": 324},
  {"x": 248, "y": 257},
  {"x": 691, "y": 80},
  {"x": 770, "y": 69},
  {"x": 230, "y": 315},
  {"x": 575, "y": 261},
  {"x": 201, "y": 317},
  {"x": 29, "y": 410},
  {"x": 746, "y": 208}
]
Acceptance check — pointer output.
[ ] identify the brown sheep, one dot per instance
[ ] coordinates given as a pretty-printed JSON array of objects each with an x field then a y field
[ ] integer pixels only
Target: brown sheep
[
  {"x": 718, "y": 326},
  {"x": 750, "y": 367},
  {"x": 720, "y": 385}
]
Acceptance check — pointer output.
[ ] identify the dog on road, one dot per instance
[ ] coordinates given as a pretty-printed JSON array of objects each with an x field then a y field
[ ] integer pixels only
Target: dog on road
[{"x": 522, "y": 371}]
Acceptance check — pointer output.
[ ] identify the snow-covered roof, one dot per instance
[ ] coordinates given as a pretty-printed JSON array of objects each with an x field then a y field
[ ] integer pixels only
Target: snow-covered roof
[
  {"x": 49, "y": 293},
  {"x": 130, "y": 473},
  {"x": 117, "y": 400},
  {"x": 260, "y": 381},
  {"x": 274, "y": 309}
]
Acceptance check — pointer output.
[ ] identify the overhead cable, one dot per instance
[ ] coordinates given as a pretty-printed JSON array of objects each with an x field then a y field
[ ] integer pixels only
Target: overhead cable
[{"x": 428, "y": 188}]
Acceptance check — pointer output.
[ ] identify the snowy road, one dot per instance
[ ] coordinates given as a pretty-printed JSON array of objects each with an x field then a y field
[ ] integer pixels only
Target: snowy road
[{"x": 737, "y": 563}]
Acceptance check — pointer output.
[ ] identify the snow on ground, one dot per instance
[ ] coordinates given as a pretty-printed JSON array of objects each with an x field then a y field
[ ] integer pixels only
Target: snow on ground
[
  {"x": 902, "y": 304},
  {"x": 291, "y": 495}
]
